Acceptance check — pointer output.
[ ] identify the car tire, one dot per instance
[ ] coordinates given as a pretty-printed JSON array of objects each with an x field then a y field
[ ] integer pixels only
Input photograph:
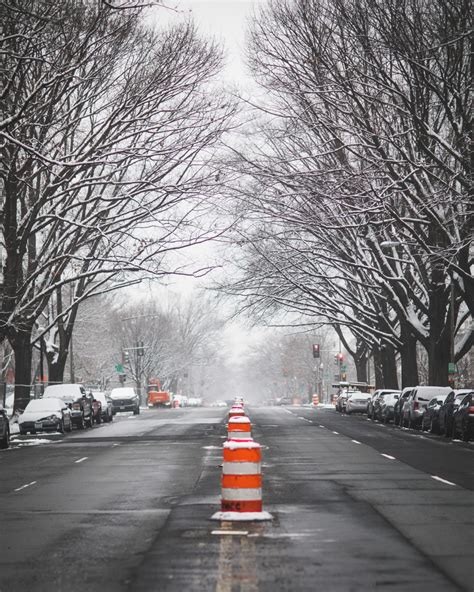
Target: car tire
[
  {"x": 5, "y": 441},
  {"x": 448, "y": 430},
  {"x": 465, "y": 432},
  {"x": 23, "y": 432},
  {"x": 136, "y": 411}
]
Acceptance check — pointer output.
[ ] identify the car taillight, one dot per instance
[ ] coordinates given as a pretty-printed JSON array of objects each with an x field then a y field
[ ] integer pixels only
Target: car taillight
[
  {"x": 470, "y": 410},
  {"x": 416, "y": 405}
]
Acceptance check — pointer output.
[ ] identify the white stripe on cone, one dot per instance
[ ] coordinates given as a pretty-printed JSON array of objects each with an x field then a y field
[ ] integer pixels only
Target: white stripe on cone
[
  {"x": 241, "y": 468},
  {"x": 238, "y": 494},
  {"x": 237, "y": 435}
]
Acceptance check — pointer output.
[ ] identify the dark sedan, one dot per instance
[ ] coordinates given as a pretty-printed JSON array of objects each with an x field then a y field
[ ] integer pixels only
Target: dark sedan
[
  {"x": 430, "y": 420},
  {"x": 463, "y": 418},
  {"x": 446, "y": 412}
]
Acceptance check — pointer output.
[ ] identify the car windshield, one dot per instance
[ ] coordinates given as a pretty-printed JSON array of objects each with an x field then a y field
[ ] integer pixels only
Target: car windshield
[
  {"x": 44, "y": 405},
  {"x": 66, "y": 392},
  {"x": 122, "y": 393}
]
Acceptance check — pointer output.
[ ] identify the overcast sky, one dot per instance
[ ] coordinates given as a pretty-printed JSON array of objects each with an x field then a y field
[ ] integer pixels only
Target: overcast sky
[{"x": 226, "y": 20}]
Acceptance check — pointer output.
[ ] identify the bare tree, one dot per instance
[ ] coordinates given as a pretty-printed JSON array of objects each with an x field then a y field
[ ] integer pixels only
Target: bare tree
[
  {"x": 361, "y": 146},
  {"x": 107, "y": 143}
]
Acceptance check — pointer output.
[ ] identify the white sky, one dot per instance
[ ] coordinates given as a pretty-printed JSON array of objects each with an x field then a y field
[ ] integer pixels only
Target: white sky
[{"x": 226, "y": 21}]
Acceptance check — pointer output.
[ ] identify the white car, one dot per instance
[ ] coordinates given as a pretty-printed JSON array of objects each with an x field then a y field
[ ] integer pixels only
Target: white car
[
  {"x": 125, "y": 399},
  {"x": 45, "y": 415},
  {"x": 357, "y": 402}
]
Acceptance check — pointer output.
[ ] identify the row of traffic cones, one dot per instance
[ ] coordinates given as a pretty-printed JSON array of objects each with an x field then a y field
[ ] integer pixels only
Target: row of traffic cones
[{"x": 241, "y": 471}]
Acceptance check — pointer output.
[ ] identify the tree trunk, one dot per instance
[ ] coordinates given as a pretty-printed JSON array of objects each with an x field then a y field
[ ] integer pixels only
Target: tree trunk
[
  {"x": 56, "y": 367},
  {"x": 439, "y": 338},
  {"x": 408, "y": 354},
  {"x": 389, "y": 367},
  {"x": 361, "y": 368},
  {"x": 21, "y": 345},
  {"x": 378, "y": 370}
]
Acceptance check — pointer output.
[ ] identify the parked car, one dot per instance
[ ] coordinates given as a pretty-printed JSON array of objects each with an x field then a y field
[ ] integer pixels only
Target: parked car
[
  {"x": 376, "y": 402},
  {"x": 397, "y": 410},
  {"x": 96, "y": 406},
  {"x": 4, "y": 428},
  {"x": 430, "y": 419},
  {"x": 125, "y": 399},
  {"x": 75, "y": 396},
  {"x": 105, "y": 406},
  {"x": 387, "y": 407},
  {"x": 341, "y": 400},
  {"x": 463, "y": 418},
  {"x": 356, "y": 402},
  {"x": 45, "y": 415},
  {"x": 415, "y": 405},
  {"x": 446, "y": 412}
]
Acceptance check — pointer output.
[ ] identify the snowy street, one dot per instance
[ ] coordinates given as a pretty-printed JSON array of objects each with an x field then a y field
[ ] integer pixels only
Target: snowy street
[{"x": 127, "y": 506}]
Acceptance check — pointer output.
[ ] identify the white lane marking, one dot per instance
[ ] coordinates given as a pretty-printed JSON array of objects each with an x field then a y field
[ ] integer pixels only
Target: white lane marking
[
  {"x": 321, "y": 426},
  {"x": 308, "y": 420},
  {"x": 25, "y": 486},
  {"x": 81, "y": 459},
  {"x": 388, "y": 456},
  {"x": 443, "y": 480},
  {"x": 356, "y": 441},
  {"x": 337, "y": 433}
]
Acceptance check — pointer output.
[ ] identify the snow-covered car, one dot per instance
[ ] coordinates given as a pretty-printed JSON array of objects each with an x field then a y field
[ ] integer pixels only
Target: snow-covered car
[
  {"x": 45, "y": 415},
  {"x": 77, "y": 399},
  {"x": 124, "y": 399},
  {"x": 4, "y": 428},
  {"x": 356, "y": 402},
  {"x": 106, "y": 405}
]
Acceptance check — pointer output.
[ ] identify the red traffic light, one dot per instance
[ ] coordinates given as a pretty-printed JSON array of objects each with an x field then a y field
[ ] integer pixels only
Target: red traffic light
[{"x": 316, "y": 350}]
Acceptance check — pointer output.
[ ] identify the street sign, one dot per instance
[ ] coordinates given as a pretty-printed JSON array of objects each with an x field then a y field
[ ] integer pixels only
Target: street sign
[
  {"x": 119, "y": 368},
  {"x": 451, "y": 368}
]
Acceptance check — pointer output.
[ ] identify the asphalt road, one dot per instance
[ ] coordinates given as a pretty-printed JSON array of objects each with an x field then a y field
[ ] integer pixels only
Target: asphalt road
[{"x": 126, "y": 507}]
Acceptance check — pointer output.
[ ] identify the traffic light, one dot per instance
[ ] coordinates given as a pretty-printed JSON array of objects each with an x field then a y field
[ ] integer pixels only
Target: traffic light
[
  {"x": 125, "y": 357},
  {"x": 316, "y": 350},
  {"x": 140, "y": 348},
  {"x": 338, "y": 359}
]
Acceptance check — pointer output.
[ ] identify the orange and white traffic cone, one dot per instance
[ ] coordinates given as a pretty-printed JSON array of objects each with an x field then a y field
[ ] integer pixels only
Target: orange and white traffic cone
[
  {"x": 242, "y": 483},
  {"x": 236, "y": 411},
  {"x": 239, "y": 428}
]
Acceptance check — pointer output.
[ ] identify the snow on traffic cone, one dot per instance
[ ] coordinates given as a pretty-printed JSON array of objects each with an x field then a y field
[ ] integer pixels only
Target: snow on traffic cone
[
  {"x": 241, "y": 483},
  {"x": 239, "y": 428}
]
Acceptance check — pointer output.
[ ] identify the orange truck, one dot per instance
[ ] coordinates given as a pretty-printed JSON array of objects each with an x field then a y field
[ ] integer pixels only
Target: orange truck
[{"x": 159, "y": 398}]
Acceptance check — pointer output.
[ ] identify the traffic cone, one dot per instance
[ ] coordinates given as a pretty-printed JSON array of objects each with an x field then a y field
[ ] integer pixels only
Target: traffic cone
[
  {"x": 239, "y": 428},
  {"x": 241, "y": 482},
  {"x": 236, "y": 411}
]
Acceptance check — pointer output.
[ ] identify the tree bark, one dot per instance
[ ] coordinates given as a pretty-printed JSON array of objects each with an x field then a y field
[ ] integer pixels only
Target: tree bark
[
  {"x": 389, "y": 367},
  {"x": 409, "y": 358},
  {"x": 21, "y": 345}
]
